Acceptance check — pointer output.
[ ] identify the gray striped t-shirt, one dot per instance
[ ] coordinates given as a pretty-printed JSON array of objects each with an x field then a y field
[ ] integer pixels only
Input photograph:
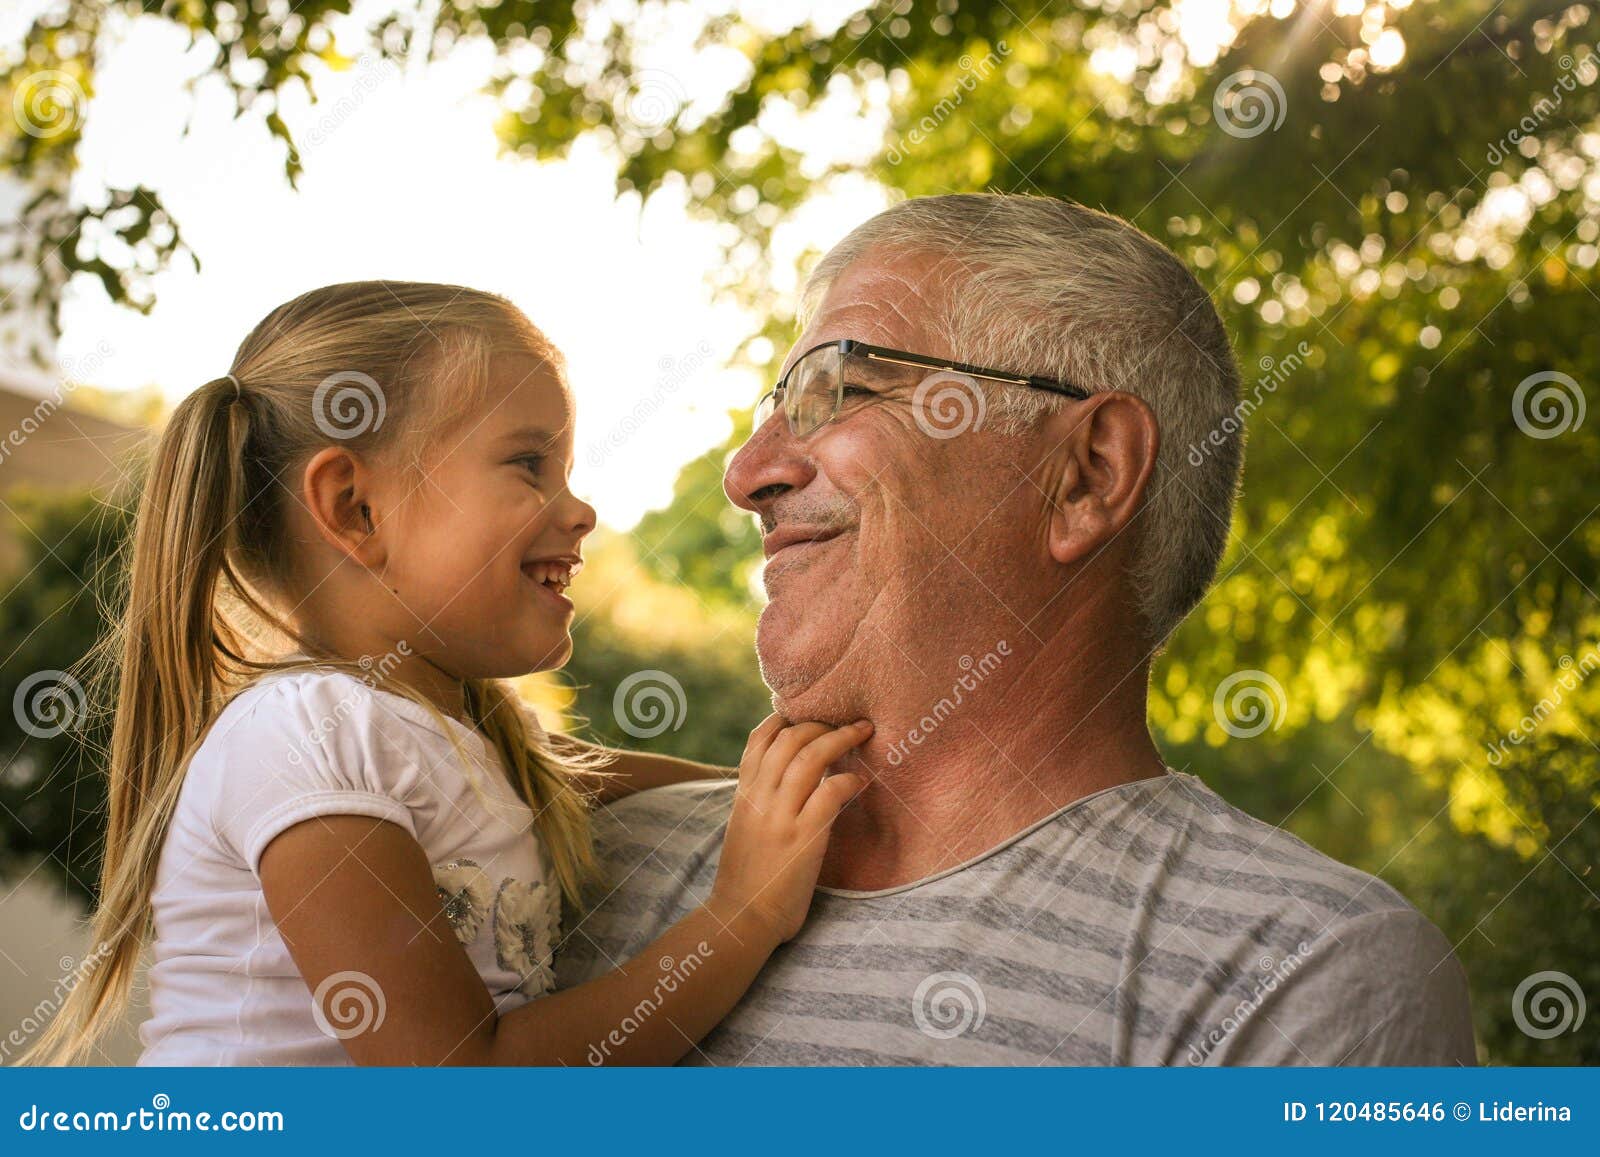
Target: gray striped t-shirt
[{"x": 1148, "y": 924}]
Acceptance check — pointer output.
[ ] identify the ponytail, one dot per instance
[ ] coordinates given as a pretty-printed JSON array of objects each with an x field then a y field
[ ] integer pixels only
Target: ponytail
[{"x": 170, "y": 684}]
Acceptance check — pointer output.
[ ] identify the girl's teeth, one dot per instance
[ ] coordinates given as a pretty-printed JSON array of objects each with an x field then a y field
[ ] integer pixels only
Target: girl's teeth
[{"x": 552, "y": 575}]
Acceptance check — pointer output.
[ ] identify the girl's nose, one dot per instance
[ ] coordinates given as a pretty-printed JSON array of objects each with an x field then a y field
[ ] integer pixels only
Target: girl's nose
[{"x": 578, "y": 516}]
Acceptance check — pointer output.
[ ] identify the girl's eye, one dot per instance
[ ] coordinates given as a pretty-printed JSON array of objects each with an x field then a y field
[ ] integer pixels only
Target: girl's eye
[{"x": 532, "y": 462}]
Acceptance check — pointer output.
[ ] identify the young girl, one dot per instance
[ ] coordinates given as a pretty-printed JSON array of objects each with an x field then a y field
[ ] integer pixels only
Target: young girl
[{"x": 357, "y": 852}]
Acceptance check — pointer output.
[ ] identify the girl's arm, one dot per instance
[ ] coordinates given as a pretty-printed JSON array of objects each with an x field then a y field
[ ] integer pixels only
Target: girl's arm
[
  {"x": 356, "y": 904},
  {"x": 632, "y": 771}
]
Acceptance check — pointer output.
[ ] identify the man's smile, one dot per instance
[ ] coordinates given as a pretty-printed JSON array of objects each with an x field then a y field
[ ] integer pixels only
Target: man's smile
[{"x": 789, "y": 546}]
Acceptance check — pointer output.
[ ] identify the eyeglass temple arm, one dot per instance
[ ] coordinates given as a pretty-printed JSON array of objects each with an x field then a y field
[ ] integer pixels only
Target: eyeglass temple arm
[{"x": 1050, "y": 384}]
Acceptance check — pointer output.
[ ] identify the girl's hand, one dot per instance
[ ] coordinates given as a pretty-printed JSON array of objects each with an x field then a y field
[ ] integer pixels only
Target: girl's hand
[{"x": 782, "y": 814}]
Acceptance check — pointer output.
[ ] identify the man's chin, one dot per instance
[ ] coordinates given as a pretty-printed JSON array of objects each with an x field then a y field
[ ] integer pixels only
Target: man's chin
[
  {"x": 814, "y": 705},
  {"x": 780, "y": 649},
  {"x": 802, "y": 688},
  {"x": 788, "y": 686}
]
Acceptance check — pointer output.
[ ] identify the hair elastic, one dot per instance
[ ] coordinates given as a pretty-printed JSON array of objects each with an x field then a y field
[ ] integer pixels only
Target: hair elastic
[{"x": 238, "y": 387}]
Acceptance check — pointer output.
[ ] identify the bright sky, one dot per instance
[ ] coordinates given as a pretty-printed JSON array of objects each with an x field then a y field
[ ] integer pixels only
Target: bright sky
[{"x": 411, "y": 185}]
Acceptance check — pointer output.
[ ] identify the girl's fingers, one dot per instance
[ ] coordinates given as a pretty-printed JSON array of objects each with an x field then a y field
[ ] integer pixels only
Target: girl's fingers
[
  {"x": 830, "y": 797},
  {"x": 783, "y": 750},
  {"x": 811, "y": 763},
  {"x": 755, "y": 748}
]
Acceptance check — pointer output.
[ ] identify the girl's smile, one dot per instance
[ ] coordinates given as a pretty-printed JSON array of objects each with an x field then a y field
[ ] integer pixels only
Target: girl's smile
[{"x": 552, "y": 576}]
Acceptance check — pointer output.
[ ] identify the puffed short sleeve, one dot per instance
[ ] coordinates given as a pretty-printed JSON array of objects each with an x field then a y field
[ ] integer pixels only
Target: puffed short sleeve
[{"x": 301, "y": 746}]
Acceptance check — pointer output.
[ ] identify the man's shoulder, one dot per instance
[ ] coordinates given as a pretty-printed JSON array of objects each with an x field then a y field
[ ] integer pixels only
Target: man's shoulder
[
  {"x": 1344, "y": 968},
  {"x": 668, "y": 818},
  {"x": 698, "y": 799},
  {"x": 657, "y": 853},
  {"x": 1216, "y": 852}
]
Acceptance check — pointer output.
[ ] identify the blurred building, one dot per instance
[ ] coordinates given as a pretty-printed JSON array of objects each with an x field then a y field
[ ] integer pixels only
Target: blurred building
[{"x": 48, "y": 443}]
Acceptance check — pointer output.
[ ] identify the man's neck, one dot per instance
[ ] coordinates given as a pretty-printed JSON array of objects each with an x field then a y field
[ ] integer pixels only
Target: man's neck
[{"x": 999, "y": 756}]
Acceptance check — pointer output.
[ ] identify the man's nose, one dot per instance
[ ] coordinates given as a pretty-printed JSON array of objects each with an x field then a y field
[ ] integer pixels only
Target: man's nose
[{"x": 770, "y": 463}]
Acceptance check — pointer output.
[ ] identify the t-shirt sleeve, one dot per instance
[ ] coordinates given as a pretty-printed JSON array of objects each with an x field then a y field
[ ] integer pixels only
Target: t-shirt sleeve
[
  {"x": 1383, "y": 988},
  {"x": 318, "y": 745}
]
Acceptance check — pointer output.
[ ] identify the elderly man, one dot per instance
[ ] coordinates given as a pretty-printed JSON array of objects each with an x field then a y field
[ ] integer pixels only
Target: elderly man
[{"x": 979, "y": 530}]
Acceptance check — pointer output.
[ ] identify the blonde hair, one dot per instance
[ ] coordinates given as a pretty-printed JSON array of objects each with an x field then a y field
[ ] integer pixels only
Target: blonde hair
[{"x": 209, "y": 548}]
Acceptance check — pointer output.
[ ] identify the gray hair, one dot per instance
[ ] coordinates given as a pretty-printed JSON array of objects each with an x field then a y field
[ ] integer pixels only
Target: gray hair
[{"x": 1051, "y": 288}]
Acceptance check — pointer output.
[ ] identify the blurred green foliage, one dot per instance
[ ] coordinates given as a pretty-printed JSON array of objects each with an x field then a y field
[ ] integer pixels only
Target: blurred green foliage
[
  {"x": 56, "y": 604},
  {"x": 1415, "y": 557},
  {"x": 676, "y": 639}
]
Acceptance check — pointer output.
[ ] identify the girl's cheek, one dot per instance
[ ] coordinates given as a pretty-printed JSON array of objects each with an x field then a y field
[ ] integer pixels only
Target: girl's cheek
[{"x": 537, "y": 504}]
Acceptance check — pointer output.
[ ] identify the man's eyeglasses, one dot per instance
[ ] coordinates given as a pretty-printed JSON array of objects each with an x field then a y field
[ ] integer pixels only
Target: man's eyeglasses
[{"x": 837, "y": 376}]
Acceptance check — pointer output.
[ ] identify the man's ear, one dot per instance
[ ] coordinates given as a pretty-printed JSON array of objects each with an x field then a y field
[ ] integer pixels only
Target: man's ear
[
  {"x": 1105, "y": 452},
  {"x": 336, "y": 490}
]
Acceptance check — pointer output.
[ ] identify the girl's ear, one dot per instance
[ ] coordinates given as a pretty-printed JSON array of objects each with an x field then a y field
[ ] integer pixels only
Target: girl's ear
[
  {"x": 337, "y": 491},
  {"x": 1106, "y": 452}
]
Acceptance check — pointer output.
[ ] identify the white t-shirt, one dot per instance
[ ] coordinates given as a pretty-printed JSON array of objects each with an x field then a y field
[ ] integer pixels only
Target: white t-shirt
[{"x": 223, "y": 987}]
